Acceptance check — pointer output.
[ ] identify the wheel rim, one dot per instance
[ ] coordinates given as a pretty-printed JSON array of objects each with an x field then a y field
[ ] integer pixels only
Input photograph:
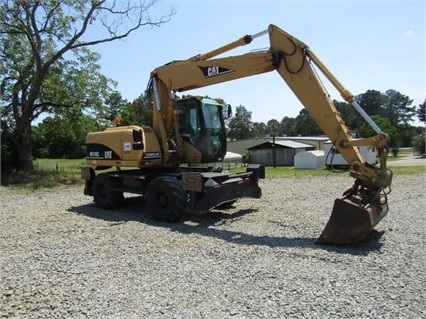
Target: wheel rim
[{"x": 162, "y": 201}]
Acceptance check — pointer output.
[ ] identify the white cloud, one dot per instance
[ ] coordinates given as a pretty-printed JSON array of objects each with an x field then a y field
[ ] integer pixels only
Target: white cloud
[{"x": 409, "y": 33}]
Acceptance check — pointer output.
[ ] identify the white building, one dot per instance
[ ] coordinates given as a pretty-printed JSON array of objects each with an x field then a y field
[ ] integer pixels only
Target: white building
[{"x": 309, "y": 159}]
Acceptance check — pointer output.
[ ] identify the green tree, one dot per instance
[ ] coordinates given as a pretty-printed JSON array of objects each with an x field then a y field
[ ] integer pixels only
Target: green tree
[
  {"x": 421, "y": 112},
  {"x": 114, "y": 105},
  {"x": 139, "y": 112},
  {"x": 259, "y": 129},
  {"x": 419, "y": 144},
  {"x": 45, "y": 61},
  {"x": 419, "y": 141},
  {"x": 288, "y": 126},
  {"x": 384, "y": 123},
  {"x": 398, "y": 109},
  {"x": 62, "y": 135},
  {"x": 406, "y": 133},
  {"x": 273, "y": 127},
  {"x": 391, "y": 104},
  {"x": 373, "y": 102},
  {"x": 9, "y": 155},
  {"x": 305, "y": 125},
  {"x": 241, "y": 125}
]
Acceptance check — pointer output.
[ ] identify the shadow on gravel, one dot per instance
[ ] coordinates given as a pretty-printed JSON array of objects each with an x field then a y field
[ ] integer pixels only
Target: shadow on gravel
[
  {"x": 206, "y": 226},
  {"x": 133, "y": 209},
  {"x": 210, "y": 225},
  {"x": 371, "y": 243}
]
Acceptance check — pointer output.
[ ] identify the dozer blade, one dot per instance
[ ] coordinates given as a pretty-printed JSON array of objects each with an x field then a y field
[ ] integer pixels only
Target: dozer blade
[{"x": 351, "y": 222}]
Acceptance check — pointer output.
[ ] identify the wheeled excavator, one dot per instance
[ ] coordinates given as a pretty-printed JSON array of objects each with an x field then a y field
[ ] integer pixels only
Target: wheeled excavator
[{"x": 162, "y": 160}]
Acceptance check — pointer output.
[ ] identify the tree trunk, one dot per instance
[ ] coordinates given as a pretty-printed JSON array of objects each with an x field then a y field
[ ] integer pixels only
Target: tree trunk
[{"x": 24, "y": 147}]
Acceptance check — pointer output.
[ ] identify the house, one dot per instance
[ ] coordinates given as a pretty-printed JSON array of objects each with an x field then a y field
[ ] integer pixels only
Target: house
[
  {"x": 241, "y": 146},
  {"x": 280, "y": 153}
]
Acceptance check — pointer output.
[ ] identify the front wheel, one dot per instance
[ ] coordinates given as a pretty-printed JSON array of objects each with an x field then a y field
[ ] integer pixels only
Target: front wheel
[
  {"x": 103, "y": 195},
  {"x": 166, "y": 199}
]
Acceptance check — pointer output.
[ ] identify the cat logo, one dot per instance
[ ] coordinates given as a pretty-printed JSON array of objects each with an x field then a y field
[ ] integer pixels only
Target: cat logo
[
  {"x": 108, "y": 154},
  {"x": 210, "y": 71}
]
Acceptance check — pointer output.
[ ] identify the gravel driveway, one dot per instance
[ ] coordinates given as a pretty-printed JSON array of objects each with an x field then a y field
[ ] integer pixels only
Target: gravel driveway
[{"x": 61, "y": 257}]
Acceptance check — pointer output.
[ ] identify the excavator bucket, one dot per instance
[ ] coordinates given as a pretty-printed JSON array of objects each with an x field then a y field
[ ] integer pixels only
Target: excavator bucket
[{"x": 352, "y": 221}]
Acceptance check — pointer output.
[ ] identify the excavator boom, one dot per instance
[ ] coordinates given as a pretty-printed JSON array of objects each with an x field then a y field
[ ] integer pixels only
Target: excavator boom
[{"x": 361, "y": 207}]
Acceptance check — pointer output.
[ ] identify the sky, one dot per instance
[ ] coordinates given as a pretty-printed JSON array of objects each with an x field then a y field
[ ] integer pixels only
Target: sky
[{"x": 377, "y": 45}]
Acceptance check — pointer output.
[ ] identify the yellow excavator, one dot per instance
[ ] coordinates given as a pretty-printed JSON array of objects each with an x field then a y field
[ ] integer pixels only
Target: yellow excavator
[{"x": 189, "y": 131}]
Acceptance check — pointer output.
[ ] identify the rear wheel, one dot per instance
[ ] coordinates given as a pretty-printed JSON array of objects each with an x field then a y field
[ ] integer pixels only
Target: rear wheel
[
  {"x": 103, "y": 194},
  {"x": 166, "y": 199}
]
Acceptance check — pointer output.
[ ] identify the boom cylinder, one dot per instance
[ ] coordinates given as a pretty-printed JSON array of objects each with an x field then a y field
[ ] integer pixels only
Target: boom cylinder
[
  {"x": 228, "y": 47},
  {"x": 366, "y": 117}
]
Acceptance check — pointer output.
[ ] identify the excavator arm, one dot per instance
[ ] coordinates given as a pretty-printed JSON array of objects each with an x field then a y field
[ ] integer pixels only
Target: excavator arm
[{"x": 361, "y": 207}]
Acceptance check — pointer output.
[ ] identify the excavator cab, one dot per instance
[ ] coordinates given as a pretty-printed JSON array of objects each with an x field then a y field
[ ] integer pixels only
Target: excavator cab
[{"x": 201, "y": 124}]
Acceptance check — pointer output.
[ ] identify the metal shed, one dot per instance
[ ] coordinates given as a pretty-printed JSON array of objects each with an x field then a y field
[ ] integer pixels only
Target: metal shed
[
  {"x": 280, "y": 153},
  {"x": 309, "y": 159}
]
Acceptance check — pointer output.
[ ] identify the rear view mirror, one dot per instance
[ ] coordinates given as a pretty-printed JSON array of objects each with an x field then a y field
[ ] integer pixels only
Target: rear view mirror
[{"x": 229, "y": 110}]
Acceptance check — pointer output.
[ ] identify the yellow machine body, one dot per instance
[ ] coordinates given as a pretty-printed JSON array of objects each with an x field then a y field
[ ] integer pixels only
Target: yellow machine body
[
  {"x": 129, "y": 146},
  {"x": 167, "y": 145}
]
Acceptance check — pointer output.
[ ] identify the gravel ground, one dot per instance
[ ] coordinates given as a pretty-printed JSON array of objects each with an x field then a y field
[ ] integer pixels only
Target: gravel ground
[{"x": 61, "y": 257}]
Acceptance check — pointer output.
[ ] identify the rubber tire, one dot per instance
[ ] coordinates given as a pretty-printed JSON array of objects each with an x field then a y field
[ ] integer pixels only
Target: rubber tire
[
  {"x": 103, "y": 195},
  {"x": 166, "y": 199}
]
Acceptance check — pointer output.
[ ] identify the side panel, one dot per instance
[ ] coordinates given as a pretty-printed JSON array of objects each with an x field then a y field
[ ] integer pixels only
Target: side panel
[
  {"x": 130, "y": 146},
  {"x": 151, "y": 156}
]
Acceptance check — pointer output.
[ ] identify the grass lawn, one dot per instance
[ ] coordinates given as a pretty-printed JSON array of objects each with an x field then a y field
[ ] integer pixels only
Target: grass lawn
[{"x": 59, "y": 165}]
